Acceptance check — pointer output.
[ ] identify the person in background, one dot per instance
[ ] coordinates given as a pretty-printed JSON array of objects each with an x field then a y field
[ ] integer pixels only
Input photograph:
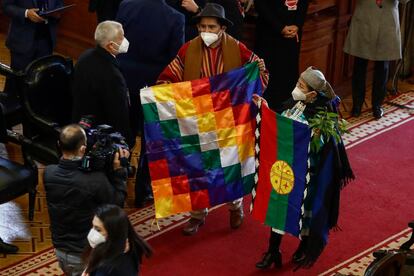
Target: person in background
[
  {"x": 115, "y": 248},
  {"x": 73, "y": 194},
  {"x": 374, "y": 35},
  {"x": 278, "y": 40},
  {"x": 188, "y": 8},
  {"x": 105, "y": 9},
  {"x": 30, "y": 36},
  {"x": 99, "y": 89},
  {"x": 212, "y": 52},
  {"x": 156, "y": 33}
]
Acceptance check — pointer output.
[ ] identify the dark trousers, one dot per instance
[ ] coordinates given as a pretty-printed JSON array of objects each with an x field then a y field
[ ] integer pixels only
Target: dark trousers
[
  {"x": 143, "y": 179},
  {"x": 359, "y": 76}
]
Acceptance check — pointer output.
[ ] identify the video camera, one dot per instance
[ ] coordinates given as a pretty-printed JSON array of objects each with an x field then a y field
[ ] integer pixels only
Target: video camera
[{"x": 102, "y": 145}]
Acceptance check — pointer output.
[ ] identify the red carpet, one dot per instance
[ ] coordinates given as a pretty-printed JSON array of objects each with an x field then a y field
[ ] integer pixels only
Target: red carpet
[{"x": 374, "y": 207}]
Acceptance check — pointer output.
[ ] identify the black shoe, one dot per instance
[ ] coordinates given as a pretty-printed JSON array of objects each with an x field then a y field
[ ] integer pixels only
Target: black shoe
[
  {"x": 7, "y": 248},
  {"x": 299, "y": 254},
  {"x": 378, "y": 112},
  {"x": 356, "y": 112},
  {"x": 140, "y": 203},
  {"x": 269, "y": 259}
]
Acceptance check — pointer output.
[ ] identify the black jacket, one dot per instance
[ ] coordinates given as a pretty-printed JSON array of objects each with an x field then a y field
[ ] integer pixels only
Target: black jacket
[
  {"x": 124, "y": 265},
  {"x": 72, "y": 196},
  {"x": 105, "y": 9},
  {"x": 99, "y": 89}
]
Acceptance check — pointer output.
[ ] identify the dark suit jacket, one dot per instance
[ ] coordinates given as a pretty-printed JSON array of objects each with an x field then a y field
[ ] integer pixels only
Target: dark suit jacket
[
  {"x": 190, "y": 29},
  {"x": 155, "y": 32},
  {"x": 105, "y": 9},
  {"x": 99, "y": 89},
  {"x": 273, "y": 16},
  {"x": 22, "y": 31}
]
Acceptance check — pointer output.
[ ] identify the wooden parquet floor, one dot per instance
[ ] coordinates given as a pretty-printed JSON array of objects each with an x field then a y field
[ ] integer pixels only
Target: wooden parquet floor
[{"x": 38, "y": 237}]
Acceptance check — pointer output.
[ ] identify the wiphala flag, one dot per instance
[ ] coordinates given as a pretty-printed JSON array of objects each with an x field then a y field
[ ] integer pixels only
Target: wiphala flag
[{"x": 200, "y": 140}]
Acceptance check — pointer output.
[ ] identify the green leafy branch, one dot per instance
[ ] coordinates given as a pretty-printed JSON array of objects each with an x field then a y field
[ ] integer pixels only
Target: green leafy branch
[{"x": 326, "y": 125}]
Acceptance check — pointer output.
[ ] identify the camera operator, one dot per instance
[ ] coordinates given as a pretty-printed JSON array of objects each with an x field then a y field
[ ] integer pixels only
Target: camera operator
[{"x": 73, "y": 194}]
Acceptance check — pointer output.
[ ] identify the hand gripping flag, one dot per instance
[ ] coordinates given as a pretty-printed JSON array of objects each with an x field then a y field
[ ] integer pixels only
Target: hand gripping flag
[
  {"x": 282, "y": 171},
  {"x": 200, "y": 140}
]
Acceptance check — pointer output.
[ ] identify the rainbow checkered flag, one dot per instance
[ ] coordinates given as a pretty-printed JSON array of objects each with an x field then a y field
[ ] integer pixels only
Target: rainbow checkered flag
[{"x": 200, "y": 140}]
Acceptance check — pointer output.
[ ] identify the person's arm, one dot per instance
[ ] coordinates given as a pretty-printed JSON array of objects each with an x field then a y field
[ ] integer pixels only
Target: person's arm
[
  {"x": 118, "y": 178},
  {"x": 269, "y": 15},
  {"x": 12, "y": 10},
  {"x": 177, "y": 36},
  {"x": 174, "y": 72},
  {"x": 248, "y": 56},
  {"x": 111, "y": 188}
]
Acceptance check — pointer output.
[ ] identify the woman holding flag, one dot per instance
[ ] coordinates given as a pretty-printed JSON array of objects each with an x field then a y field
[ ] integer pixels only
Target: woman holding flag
[{"x": 314, "y": 103}]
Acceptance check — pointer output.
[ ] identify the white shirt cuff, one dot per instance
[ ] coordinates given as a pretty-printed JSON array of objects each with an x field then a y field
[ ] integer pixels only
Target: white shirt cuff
[{"x": 25, "y": 13}]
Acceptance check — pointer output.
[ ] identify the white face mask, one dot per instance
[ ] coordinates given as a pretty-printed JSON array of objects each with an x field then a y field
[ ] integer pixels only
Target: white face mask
[
  {"x": 298, "y": 95},
  {"x": 209, "y": 38},
  {"x": 95, "y": 238},
  {"x": 123, "y": 48}
]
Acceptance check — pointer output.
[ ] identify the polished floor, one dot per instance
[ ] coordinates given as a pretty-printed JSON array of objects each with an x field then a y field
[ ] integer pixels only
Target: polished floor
[{"x": 34, "y": 236}]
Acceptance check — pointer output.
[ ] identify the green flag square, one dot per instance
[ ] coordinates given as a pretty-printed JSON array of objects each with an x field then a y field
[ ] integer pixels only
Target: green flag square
[
  {"x": 232, "y": 173},
  {"x": 190, "y": 144},
  {"x": 211, "y": 159},
  {"x": 170, "y": 128},
  {"x": 150, "y": 112},
  {"x": 248, "y": 183}
]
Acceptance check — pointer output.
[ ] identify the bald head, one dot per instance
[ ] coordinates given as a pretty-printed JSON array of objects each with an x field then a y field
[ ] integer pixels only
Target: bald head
[{"x": 72, "y": 138}]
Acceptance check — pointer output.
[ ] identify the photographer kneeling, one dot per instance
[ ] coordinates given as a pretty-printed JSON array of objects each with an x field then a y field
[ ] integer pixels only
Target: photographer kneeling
[{"x": 73, "y": 194}]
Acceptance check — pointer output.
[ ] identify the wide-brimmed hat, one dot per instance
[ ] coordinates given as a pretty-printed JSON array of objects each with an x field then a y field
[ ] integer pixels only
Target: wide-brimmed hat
[
  {"x": 212, "y": 10},
  {"x": 316, "y": 80}
]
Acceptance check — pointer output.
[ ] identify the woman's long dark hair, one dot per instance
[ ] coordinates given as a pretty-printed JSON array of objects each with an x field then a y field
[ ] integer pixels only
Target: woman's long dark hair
[{"x": 119, "y": 229}]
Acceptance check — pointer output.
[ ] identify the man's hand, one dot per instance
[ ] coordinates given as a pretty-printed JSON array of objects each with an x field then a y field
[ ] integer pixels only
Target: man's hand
[
  {"x": 122, "y": 153},
  {"x": 190, "y": 5},
  {"x": 261, "y": 65},
  {"x": 34, "y": 17},
  {"x": 290, "y": 31}
]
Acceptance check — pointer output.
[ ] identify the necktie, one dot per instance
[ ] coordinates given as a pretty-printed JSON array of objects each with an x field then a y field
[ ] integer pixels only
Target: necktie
[{"x": 379, "y": 3}]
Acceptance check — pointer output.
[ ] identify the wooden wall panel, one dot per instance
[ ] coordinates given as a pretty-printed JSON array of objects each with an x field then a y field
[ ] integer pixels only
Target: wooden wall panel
[{"x": 76, "y": 29}]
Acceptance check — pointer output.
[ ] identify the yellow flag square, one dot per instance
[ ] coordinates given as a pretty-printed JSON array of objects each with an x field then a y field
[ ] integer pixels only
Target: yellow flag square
[{"x": 163, "y": 93}]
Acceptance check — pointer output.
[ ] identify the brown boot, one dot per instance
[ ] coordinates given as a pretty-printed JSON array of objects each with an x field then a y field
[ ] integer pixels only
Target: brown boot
[
  {"x": 236, "y": 218},
  {"x": 192, "y": 225}
]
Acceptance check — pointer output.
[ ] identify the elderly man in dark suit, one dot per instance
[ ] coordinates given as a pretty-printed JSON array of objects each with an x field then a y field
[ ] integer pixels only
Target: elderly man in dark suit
[
  {"x": 99, "y": 88},
  {"x": 156, "y": 32}
]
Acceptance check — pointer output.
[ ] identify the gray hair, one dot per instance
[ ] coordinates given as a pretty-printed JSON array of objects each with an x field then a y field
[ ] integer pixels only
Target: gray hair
[{"x": 107, "y": 31}]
